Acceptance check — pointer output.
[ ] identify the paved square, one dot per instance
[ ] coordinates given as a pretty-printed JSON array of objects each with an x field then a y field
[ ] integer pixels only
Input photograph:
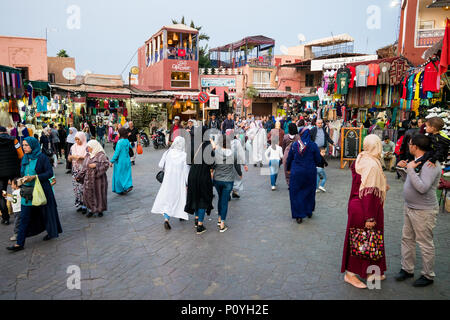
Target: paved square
[{"x": 128, "y": 254}]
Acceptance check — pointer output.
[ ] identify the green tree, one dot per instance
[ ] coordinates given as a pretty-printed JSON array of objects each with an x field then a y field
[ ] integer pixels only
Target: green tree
[
  {"x": 251, "y": 92},
  {"x": 62, "y": 54},
  {"x": 203, "y": 59}
]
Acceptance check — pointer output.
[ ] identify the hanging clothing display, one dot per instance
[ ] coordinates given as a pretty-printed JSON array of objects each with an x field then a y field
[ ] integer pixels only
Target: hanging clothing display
[
  {"x": 384, "y": 77},
  {"x": 41, "y": 103},
  {"x": 374, "y": 71},
  {"x": 362, "y": 72}
]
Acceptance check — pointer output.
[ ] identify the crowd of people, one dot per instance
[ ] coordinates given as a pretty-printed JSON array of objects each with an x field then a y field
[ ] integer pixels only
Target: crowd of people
[{"x": 216, "y": 155}]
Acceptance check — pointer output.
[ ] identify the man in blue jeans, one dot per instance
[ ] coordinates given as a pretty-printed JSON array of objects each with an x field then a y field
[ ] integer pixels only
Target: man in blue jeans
[{"x": 321, "y": 174}]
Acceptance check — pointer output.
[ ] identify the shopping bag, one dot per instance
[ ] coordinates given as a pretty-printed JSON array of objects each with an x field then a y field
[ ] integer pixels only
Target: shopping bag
[
  {"x": 39, "y": 198},
  {"x": 366, "y": 244},
  {"x": 139, "y": 149}
]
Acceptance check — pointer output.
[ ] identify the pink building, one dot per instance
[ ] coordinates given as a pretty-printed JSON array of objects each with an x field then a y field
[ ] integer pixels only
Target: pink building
[
  {"x": 26, "y": 54},
  {"x": 169, "y": 60}
]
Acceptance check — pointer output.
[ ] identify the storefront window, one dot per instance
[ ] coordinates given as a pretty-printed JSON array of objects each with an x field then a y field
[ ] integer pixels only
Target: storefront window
[{"x": 181, "y": 80}]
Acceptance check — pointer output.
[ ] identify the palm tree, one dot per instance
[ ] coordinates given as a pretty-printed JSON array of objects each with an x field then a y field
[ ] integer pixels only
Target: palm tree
[
  {"x": 203, "y": 60},
  {"x": 62, "y": 54}
]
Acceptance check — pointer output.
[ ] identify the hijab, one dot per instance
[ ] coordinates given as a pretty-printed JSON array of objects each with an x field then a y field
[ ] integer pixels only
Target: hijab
[
  {"x": 305, "y": 139},
  {"x": 178, "y": 144},
  {"x": 35, "y": 150},
  {"x": 71, "y": 136},
  {"x": 78, "y": 150},
  {"x": 368, "y": 165},
  {"x": 96, "y": 148}
]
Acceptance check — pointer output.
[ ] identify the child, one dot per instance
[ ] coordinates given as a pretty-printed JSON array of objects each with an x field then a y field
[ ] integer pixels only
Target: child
[
  {"x": 321, "y": 175},
  {"x": 440, "y": 142},
  {"x": 15, "y": 200},
  {"x": 275, "y": 154}
]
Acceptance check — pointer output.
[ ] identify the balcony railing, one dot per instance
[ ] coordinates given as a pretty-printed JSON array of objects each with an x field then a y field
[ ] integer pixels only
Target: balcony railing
[
  {"x": 173, "y": 54},
  {"x": 252, "y": 60},
  {"x": 429, "y": 37}
]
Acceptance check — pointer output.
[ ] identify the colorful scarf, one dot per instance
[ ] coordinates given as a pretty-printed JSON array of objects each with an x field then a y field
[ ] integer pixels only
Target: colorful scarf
[
  {"x": 368, "y": 165},
  {"x": 78, "y": 150}
]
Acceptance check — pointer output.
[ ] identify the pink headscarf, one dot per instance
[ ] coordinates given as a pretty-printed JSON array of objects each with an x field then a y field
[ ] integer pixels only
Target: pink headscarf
[{"x": 78, "y": 150}]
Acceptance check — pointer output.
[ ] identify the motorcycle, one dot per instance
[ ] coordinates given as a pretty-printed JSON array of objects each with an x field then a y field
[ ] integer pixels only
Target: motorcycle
[
  {"x": 159, "y": 139},
  {"x": 144, "y": 139}
]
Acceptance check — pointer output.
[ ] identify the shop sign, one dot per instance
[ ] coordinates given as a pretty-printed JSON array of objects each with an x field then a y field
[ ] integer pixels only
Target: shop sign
[
  {"x": 247, "y": 103},
  {"x": 320, "y": 65},
  {"x": 181, "y": 66},
  {"x": 214, "y": 103},
  {"x": 239, "y": 102},
  {"x": 218, "y": 82}
]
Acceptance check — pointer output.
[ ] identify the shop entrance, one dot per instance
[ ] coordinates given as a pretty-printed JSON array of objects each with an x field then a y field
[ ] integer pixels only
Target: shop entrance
[{"x": 261, "y": 109}]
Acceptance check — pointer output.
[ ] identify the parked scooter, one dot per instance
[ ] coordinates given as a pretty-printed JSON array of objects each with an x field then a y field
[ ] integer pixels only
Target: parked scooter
[
  {"x": 145, "y": 141},
  {"x": 159, "y": 139}
]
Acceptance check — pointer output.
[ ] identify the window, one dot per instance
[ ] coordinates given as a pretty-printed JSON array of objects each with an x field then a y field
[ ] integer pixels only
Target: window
[
  {"x": 261, "y": 79},
  {"x": 51, "y": 77},
  {"x": 288, "y": 89},
  {"x": 309, "y": 81},
  {"x": 181, "y": 80},
  {"x": 425, "y": 25}
]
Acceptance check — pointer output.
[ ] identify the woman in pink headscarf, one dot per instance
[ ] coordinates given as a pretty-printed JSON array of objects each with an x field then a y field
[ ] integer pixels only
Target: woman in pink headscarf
[{"x": 77, "y": 155}]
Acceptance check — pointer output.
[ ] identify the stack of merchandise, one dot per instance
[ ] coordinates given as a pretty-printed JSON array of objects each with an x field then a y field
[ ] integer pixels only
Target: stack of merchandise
[{"x": 441, "y": 113}]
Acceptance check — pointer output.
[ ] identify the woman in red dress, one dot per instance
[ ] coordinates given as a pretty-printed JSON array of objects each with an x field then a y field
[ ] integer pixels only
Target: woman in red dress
[{"x": 365, "y": 208}]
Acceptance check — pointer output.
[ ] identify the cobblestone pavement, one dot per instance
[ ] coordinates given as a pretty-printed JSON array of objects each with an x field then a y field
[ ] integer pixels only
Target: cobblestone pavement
[{"x": 128, "y": 254}]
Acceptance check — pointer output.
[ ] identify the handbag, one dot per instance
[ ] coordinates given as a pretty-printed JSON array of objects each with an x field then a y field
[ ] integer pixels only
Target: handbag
[
  {"x": 39, "y": 198},
  {"x": 26, "y": 192},
  {"x": 366, "y": 244},
  {"x": 139, "y": 149}
]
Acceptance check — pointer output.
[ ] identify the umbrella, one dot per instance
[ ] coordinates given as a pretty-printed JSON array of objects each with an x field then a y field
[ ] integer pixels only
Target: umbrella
[{"x": 190, "y": 111}]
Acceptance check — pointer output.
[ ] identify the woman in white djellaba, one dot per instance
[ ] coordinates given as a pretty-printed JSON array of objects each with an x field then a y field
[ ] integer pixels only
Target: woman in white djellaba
[
  {"x": 171, "y": 198},
  {"x": 257, "y": 135}
]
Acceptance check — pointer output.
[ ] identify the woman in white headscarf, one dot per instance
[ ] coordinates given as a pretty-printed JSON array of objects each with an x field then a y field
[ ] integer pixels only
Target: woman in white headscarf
[
  {"x": 77, "y": 155},
  {"x": 171, "y": 198},
  {"x": 69, "y": 143},
  {"x": 93, "y": 177}
]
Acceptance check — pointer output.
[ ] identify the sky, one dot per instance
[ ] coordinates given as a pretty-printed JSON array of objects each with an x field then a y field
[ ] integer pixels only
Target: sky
[{"x": 103, "y": 35}]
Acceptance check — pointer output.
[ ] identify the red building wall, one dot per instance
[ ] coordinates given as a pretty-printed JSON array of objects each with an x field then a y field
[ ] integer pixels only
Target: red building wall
[
  {"x": 406, "y": 40},
  {"x": 158, "y": 75}
]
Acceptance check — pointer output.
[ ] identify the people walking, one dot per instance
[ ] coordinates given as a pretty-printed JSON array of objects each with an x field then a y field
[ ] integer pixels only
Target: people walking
[
  {"x": 171, "y": 198},
  {"x": 9, "y": 166},
  {"x": 134, "y": 138},
  {"x": 258, "y": 139},
  {"x": 175, "y": 129},
  {"x": 36, "y": 219},
  {"x": 76, "y": 157},
  {"x": 70, "y": 141},
  {"x": 321, "y": 174},
  {"x": 55, "y": 141},
  {"x": 274, "y": 154},
  {"x": 288, "y": 140},
  {"x": 94, "y": 179},
  {"x": 320, "y": 135},
  {"x": 237, "y": 145},
  {"x": 420, "y": 212},
  {"x": 302, "y": 161},
  {"x": 223, "y": 177},
  {"x": 365, "y": 209},
  {"x": 122, "y": 182},
  {"x": 16, "y": 202},
  {"x": 276, "y": 134},
  {"x": 200, "y": 186},
  {"x": 101, "y": 133}
]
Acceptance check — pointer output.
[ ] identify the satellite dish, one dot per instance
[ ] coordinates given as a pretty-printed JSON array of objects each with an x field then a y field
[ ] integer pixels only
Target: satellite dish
[
  {"x": 301, "y": 37},
  {"x": 86, "y": 72},
  {"x": 134, "y": 70},
  {"x": 69, "y": 73},
  {"x": 284, "y": 50}
]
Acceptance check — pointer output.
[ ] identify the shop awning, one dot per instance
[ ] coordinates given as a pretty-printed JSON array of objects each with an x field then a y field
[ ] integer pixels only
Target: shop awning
[
  {"x": 313, "y": 98},
  {"x": 152, "y": 100},
  {"x": 8, "y": 69},
  {"x": 38, "y": 85},
  {"x": 108, "y": 96}
]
